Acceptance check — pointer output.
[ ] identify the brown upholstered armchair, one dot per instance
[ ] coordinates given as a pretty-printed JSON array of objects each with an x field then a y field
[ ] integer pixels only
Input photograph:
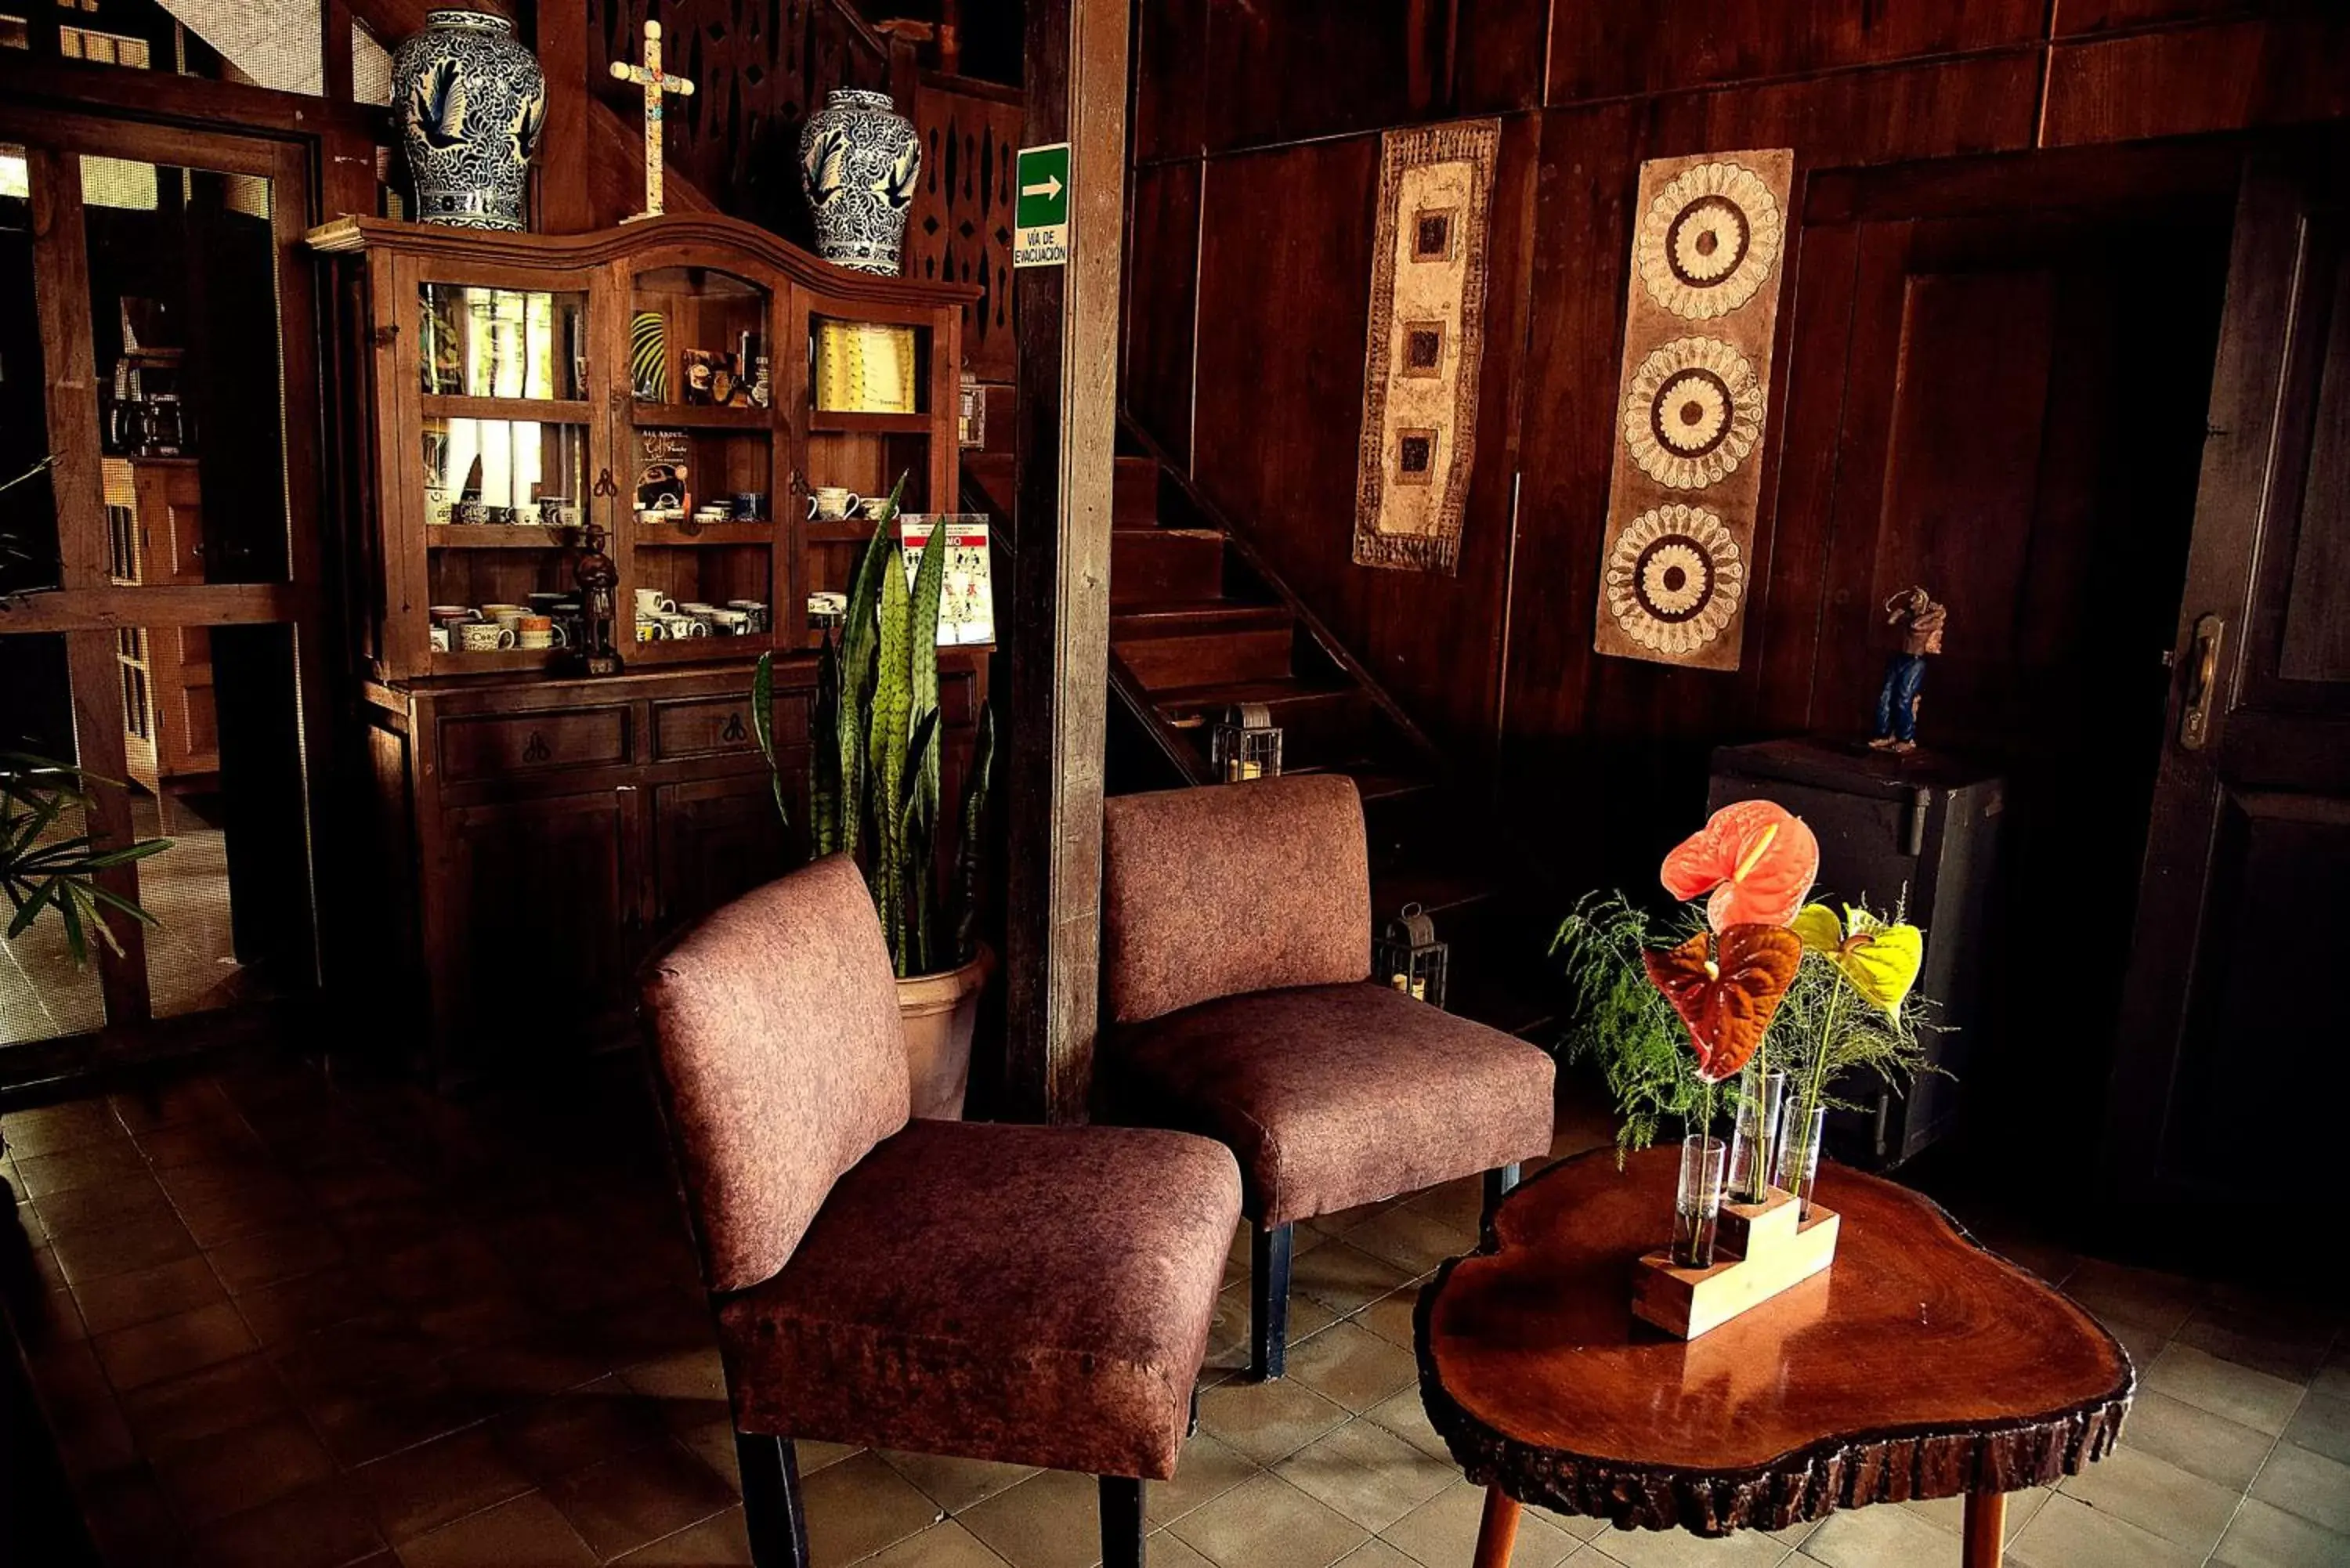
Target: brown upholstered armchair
[
  {"x": 1035, "y": 1295},
  {"x": 1239, "y": 1002}
]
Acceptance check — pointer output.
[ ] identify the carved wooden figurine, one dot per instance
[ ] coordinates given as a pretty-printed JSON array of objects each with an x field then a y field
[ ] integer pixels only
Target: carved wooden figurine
[{"x": 1921, "y": 620}]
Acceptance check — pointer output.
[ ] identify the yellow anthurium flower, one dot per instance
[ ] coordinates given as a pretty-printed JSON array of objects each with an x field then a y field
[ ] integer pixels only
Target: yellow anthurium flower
[{"x": 1880, "y": 960}]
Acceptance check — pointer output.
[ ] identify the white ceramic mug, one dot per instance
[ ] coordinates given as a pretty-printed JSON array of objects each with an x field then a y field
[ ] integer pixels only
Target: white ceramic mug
[
  {"x": 653, "y": 602},
  {"x": 832, "y": 503},
  {"x": 649, "y": 629},
  {"x": 683, "y": 626},
  {"x": 440, "y": 640},
  {"x": 485, "y": 635}
]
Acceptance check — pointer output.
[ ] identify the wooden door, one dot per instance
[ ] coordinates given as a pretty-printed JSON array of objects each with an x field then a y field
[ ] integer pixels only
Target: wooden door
[
  {"x": 2227, "y": 1036},
  {"x": 538, "y": 917}
]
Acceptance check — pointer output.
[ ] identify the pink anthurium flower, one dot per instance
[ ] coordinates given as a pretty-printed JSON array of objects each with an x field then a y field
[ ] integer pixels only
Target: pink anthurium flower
[{"x": 1755, "y": 859}]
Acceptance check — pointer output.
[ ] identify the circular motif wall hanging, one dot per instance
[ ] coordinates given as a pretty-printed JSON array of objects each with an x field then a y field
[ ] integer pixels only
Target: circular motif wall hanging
[
  {"x": 1674, "y": 578},
  {"x": 1693, "y": 412},
  {"x": 1709, "y": 240}
]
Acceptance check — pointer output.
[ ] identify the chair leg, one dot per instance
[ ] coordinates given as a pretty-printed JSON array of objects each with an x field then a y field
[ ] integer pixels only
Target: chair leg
[
  {"x": 772, "y": 1514},
  {"x": 1498, "y": 1183},
  {"x": 1269, "y": 1301},
  {"x": 1121, "y": 1521}
]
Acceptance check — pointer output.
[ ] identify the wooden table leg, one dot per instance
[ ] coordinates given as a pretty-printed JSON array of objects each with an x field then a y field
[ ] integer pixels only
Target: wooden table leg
[
  {"x": 1498, "y": 1535},
  {"x": 1986, "y": 1531}
]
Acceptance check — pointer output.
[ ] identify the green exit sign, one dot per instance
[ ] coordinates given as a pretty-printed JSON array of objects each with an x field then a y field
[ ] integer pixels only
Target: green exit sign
[{"x": 1040, "y": 208}]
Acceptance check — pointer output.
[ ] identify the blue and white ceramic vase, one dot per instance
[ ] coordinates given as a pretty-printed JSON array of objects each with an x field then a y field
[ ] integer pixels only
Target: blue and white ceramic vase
[
  {"x": 859, "y": 162},
  {"x": 471, "y": 102}
]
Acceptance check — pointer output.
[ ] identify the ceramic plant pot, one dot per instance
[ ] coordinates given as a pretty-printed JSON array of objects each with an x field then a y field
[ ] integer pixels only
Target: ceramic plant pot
[
  {"x": 471, "y": 102},
  {"x": 859, "y": 162},
  {"x": 940, "y": 1012}
]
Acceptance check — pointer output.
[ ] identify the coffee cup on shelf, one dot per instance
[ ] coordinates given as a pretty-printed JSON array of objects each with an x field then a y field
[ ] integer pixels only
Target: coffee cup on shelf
[
  {"x": 450, "y": 614},
  {"x": 485, "y": 637},
  {"x": 833, "y": 503},
  {"x": 470, "y": 514},
  {"x": 539, "y": 631},
  {"x": 441, "y": 639},
  {"x": 649, "y": 629},
  {"x": 653, "y": 602},
  {"x": 678, "y": 626}
]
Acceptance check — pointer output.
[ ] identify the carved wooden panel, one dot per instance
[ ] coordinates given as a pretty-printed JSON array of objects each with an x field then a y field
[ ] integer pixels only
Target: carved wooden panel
[
  {"x": 755, "y": 65},
  {"x": 960, "y": 229}
]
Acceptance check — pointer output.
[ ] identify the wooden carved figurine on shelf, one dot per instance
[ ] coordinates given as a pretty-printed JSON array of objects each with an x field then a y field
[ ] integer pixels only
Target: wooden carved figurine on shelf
[
  {"x": 1921, "y": 620},
  {"x": 599, "y": 652},
  {"x": 655, "y": 82}
]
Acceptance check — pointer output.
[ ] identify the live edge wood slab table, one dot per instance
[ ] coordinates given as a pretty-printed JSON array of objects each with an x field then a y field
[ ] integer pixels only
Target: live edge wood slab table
[{"x": 1919, "y": 1365}]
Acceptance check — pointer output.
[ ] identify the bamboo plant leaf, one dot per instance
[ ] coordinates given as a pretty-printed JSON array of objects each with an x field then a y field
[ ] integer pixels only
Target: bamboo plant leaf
[
  {"x": 859, "y": 655},
  {"x": 824, "y": 782},
  {"x": 763, "y": 728},
  {"x": 922, "y": 648},
  {"x": 917, "y": 836},
  {"x": 886, "y": 746},
  {"x": 969, "y": 849}
]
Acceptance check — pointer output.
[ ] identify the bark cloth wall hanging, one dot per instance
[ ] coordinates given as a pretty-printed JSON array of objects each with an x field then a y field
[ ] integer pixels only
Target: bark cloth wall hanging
[
  {"x": 1704, "y": 287},
  {"x": 1425, "y": 343}
]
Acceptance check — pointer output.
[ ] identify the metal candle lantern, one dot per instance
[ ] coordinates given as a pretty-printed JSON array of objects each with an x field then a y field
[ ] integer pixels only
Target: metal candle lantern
[
  {"x": 1408, "y": 956},
  {"x": 1247, "y": 743}
]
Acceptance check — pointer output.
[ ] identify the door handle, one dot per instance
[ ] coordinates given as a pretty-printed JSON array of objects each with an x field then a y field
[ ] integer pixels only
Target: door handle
[{"x": 2202, "y": 682}]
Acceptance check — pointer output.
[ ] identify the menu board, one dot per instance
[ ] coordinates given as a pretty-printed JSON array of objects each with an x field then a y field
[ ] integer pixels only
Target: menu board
[{"x": 967, "y": 596}]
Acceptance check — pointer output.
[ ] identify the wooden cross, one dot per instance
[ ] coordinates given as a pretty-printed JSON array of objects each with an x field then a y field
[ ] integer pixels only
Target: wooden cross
[{"x": 655, "y": 82}]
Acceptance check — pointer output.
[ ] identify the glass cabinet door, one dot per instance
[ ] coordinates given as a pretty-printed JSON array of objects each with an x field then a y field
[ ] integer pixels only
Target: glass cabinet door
[
  {"x": 504, "y": 458},
  {"x": 707, "y": 524}
]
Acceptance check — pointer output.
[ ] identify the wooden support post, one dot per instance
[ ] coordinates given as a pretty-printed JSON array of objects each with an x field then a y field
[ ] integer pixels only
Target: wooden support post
[{"x": 1067, "y": 321}]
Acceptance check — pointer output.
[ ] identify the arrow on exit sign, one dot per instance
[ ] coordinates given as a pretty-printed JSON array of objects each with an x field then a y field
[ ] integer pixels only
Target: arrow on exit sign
[{"x": 1040, "y": 211}]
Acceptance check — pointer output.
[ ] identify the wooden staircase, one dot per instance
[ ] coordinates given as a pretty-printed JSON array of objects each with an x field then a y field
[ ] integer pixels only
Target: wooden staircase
[{"x": 1199, "y": 624}]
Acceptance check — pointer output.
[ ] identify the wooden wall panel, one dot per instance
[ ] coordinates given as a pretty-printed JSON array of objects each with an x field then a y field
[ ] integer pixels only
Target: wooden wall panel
[
  {"x": 2189, "y": 80},
  {"x": 1285, "y": 280},
  {"x": 1898, "y": 115},
  {"x": 1170, "y": 93},
  {"x": 1615, "y": 50},
  {"x": 1275, "y": 109},
  {"x": 960, "y": 229},
  {"x": 1162, "y": 261}
]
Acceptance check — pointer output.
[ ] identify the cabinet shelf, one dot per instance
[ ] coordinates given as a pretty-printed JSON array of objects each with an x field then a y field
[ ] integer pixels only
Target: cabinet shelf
[
  {"x": 498, "y": 536},
  {"x": 701, "y": 416},
  {"x": 837, "y": 421},
  {"x": 536, "y": 410},
  {"x": 842, "y": 533},
  {"x": 669, "y": 536}
]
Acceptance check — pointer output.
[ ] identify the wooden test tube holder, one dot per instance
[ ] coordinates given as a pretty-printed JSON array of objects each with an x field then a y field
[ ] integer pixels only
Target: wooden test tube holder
[{"x": 1760, "y": 1249}]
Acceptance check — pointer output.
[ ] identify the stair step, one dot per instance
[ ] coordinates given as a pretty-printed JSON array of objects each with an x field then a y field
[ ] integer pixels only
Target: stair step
[
  {"x": 1174, "y": 659},
  {"x": 1155, "y": 565},
  {"x": 1195, "y": 617},
  {"x": 1442, "y": 891},
  {"x": 1134, "y": 493}
]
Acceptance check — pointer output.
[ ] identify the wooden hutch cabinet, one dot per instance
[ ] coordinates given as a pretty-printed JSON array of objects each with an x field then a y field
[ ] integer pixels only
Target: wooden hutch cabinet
[{"x": 539, "y": 830}]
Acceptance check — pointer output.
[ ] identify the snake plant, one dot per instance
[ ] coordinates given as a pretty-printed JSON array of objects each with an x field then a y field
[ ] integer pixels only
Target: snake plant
[{"x": 875, "y": 783}]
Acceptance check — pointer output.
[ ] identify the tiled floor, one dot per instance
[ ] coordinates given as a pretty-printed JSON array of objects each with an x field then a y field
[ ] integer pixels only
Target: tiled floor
[{"x": 272, "y": 1322}]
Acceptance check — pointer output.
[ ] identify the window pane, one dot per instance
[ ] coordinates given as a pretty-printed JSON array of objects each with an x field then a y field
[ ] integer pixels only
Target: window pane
[
  {"x": 28, "y": 513},
  {"x": 44, "y": 994},
  {"x": 276, "y": 43},
  {"x": 503, "y": 342},
  {"x": 184, "y": 318},
  {"x": 498, "y": 470}
]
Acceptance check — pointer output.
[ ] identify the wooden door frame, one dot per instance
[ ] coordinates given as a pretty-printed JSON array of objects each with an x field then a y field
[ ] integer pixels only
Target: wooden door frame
[{"x": 87, "y": 609}]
